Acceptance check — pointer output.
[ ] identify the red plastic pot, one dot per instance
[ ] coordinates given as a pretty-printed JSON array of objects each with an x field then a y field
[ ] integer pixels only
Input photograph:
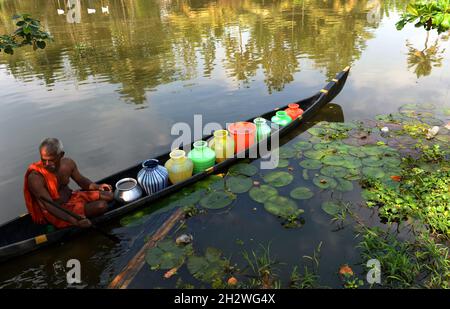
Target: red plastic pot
[{"x": 243, "y": 134}]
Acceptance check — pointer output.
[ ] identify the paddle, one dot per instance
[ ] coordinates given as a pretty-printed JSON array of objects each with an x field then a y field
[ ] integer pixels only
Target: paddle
[{"x": 74, "y": 215}]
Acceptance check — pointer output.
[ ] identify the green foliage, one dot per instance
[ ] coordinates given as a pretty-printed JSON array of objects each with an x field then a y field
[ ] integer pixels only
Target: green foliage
[
  {"x": 427, "y": 14},
  {"x": 29, "y": 32},
  {"x": 309, "y": 279},
  {"x": 421, "y": 263}
]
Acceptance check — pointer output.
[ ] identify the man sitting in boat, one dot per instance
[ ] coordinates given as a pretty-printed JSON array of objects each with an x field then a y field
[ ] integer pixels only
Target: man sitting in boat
[{"x": 49, "y": 179}]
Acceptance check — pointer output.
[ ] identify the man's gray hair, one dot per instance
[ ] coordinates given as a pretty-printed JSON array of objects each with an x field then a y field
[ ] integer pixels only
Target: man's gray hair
[{"x": 53, "y": 145}]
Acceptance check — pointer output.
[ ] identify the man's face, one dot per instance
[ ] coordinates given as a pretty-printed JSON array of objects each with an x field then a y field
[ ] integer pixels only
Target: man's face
[{"x": 50, "y": 160}]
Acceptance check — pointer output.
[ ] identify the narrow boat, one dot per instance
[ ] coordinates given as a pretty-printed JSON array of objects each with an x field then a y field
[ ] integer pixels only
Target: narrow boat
[{"x": 20, "y": 236}]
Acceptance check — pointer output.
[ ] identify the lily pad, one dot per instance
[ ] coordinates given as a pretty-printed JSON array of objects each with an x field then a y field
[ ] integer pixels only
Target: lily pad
[
  {"x": 372, "y": 161},
  {"x": 344, "y": 185},
  {"x": 331, "y": 208},
  {"x": 262, "y": 193},
  {"x": 282, "y": 207},
  {"x": 391, "y": 161},
  {"x": 353, "y": 174},
  {"x": 432, "y": 121},
  {"x": 324, "y": 182},
  {"x": 316, "y": 139},
  {"x": 278, "y": 179},
  {"x": 369, "y": 195},
  {"x": 239, "y": 184},
  {"x": 209, "y": 267},
  {"x": 314, "y": 154},
  {"x": 311, "y": 164},
  {"x": 336, "y": 160},
  {"x": 334, "y": 171},
  {"x": 372, "y": 150},
  {"x": 243, "y": 169},
  {"x": 167, "y": 255},
  {"x": 357, "y": 152},
  {"x": 301, "y": 193},
  {"x": 207, "y": 182},
  {"x": 287, "y": 153},
  {"x": 217, "y": 200},
  {"x": 317, "y": 131},
  {"x": 373, "y": 172},
  {"x": 343, "y": 126},
  {"x": 302, "y": 145},
  {"x": 283, "y": 163}
]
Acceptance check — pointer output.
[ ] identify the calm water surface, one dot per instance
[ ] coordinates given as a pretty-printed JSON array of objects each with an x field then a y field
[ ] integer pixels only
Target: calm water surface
[{"x": 112, "y": 84}]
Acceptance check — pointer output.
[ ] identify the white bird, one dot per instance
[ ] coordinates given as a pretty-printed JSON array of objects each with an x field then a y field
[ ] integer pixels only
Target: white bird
[
  {"x": 91, "y": 11},
  {"x": 60, "y": 12},
  {"x": 105, "y": 10}
]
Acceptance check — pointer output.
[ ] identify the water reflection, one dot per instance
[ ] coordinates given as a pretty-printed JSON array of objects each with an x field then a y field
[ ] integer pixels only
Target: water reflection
[
  {"x": 145, "y": 44},
  {"x": 421, "y": 62},
  {"x": 73, "y": 11}
]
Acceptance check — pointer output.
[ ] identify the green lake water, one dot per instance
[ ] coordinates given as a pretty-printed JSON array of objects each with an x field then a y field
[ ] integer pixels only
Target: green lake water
[{"x": 111, "y": 86}]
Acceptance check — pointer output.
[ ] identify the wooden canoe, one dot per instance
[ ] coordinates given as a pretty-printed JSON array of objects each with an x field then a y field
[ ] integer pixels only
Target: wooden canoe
[{"x": 20, "y": 236}]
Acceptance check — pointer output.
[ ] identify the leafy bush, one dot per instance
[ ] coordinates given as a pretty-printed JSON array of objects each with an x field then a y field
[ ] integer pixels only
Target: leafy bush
[
  {"x": 29, "y": 32},
  {"x": 427, "y": 14}
]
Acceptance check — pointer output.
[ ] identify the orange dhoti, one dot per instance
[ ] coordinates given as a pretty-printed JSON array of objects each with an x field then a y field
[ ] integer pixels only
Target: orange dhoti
[{"x": 75, "y": 204}]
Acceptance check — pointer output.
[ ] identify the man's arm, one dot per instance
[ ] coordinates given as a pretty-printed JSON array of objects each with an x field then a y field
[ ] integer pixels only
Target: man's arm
[
  {"x": 37, "y": 187},
  {"x": 84, "y": 182}
]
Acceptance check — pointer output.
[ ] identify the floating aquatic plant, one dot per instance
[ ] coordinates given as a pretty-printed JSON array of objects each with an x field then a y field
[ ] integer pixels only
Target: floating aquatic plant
[
  {"x": 278, "y": 179},
  {"x": 243, "y": 169},
  {"x": 262, "y": 193},
  {"x": 217, "y": 200},
  {"x": 301, "y": 193},
  {"x": 167, "y": 255},
  {"x": 239, "y": 184}
]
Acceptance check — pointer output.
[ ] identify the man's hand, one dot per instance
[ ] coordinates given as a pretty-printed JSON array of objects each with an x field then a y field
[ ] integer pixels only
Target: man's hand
[
  {"x": 84, "y": 223},
  {"x": 102, "y": 187}
]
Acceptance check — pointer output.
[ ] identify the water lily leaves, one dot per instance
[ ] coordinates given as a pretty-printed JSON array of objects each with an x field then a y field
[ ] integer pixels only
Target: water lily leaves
[
  {"x": 217, "y": 200},
  {"x": 209, "y": 267},
  {"x": 393, "y": 118},
  {"x": 311, "y": 164},
  {"x": 372, "y": 161},
  {"x": 287, "y": 153},
  {"x": 282, "y": 207},
  {"x": 350, "y": 162},
  {"x": 207, "y": 182},
  {"x": 283, "y": 163},
  {"x": 391, "y": 162},
  {"x": 344, "y": 185},
  {"x": 167, "y": 255},
  {"x": 262, "y": 193},
  {"x": 301, "y": 193},
  {"x": 373, "y": 172},
  {"x": 357, "y": 152},
  {"x": 317, "y": 131},
  {"x": 135, "y": 219},
  {"x": 324, "y": 182},
  {"x": 372, "y": 150},
  {"x": 432, "y": 121},
  {"x": 278, "y": 179},
  {"x": 342, "y": 126},
  {"x": 334, "y": 171},
  {"x": 369, "y": 195},
  {"x": 239, "y": 184},
  {"x": 316, "y": 139},
  {"x": 353, "y": 174},
  {"x": 336, "y": 160},
  {"x": 315, "y": 154},
  {"x": 243, "y": 169},
  {"x": 331, "y": 208},
  {"x": 302, "y": 145}
]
